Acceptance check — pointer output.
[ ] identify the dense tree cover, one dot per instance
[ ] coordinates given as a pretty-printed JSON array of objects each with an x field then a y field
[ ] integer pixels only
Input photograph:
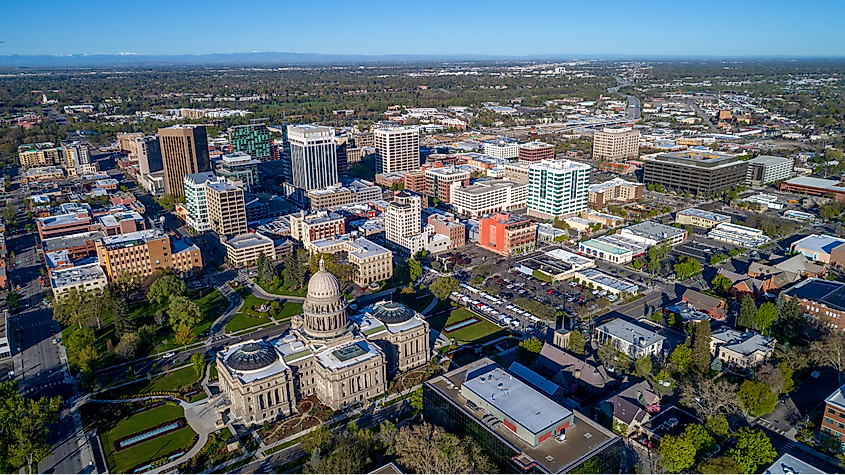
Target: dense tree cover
[
  {"x": 753, "y": 449},
  {"x": 576, "y": 344},
  {"x": 530, "y": 348},
  {"x": 756, "y": 398},
  {"x": 343, "y": 271},
  {"x": 442, "y": 287},
  {"x": 23, "y": 434},
  {"x": 165, "y": 288}
]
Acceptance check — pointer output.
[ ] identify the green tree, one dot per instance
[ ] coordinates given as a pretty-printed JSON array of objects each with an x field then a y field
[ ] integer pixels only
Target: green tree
[
  {"x": 677, "y": 453},
  {"x": 184, "y": 335},
  {"x": 700, "y": 351},
  {"x": 718, "y": 425},
  {"x": 700, "y": 439},
  {"x": 264, "y": 267},
  {"x": 642, "y": 366},
  {"x": 442, "y": 287},
  {"x": 414, "y": 269},
  {"x": 529, "y": 348},
  {"x": 25, "y": 428},
  {"x": 719, "y": 465},
  {"x": 183, "y": 311},
  {"x": 576, "y": 343},
  {"x": 165, "y": 288},
  {"x": 417, "y": 399},
  {"x": 765, "y": 316},
  {"x": 198, "y": 362},
  {"x": 753, "y": 449},
  {"x": 315, "y": 440},
  {"x": 681, "y": 358},
  {"x": 747, "y": 312},
  {"x": 167, "y": 201},
  {"x": 756, "y": 398},
  {"x": 721, "y": 284},
  {"x": 122, "y": 319},
  {"x": 13, "y": 298}
]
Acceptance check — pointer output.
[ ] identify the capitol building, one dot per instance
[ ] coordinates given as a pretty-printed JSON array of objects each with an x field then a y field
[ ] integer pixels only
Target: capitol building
[{"x": 341, "y": 361}]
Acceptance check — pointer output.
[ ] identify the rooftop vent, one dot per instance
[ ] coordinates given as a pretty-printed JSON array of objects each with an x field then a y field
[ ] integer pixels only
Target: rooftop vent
[{"x": 587, "y": 435}]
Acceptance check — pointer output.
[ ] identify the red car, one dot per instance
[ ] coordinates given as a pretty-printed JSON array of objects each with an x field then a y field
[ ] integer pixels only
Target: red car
[{"x": 550, "y": 291}]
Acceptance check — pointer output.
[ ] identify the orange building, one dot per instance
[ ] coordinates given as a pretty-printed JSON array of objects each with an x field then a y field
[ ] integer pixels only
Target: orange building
[
  {"x": 536, "y": 151},
  {"x": 507, "y": 234},
  {"x": 415, "y": 181}
]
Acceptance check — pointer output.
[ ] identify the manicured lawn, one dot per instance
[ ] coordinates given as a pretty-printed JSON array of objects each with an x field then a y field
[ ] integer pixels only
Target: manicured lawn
[
  {"x": 282, "y": 290},
  {"x": 478, "y": 332},
  {"x": 242, "y": 321},
  {"x": 419, "y": 302},
  {"x": 125, "y": 460},
  {"x": 163, "y": 382}
]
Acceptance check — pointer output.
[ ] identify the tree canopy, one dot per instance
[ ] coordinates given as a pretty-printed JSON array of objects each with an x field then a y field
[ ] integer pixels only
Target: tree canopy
[
  {"x": 164, "y": 288},
  {"x": 753, "y": 449},
  {"x": 442, "y": 287},
  {"x": 23, "y": 434}
]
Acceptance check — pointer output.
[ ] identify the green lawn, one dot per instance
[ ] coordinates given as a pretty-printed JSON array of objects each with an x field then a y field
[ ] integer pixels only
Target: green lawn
[
  {"x": 125, "y": 460},
  {"x": 417, "y": 302},
  {"x": 282, "y": 290},
  {"x": 163, "y": 382},
  {"x": 242, "y": 321},
  {"x": 479, "y": 332}
]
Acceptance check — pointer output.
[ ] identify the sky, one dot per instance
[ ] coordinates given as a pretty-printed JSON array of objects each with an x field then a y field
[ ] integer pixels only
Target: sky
[{"x": 375, "y": 27}]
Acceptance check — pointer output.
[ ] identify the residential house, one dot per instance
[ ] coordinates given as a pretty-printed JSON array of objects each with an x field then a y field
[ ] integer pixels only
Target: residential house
[
  {"x": 631, "y": 408},
  {"x": 630, "y": 338},
  {"x": 574, "y": 374},
  {"x": 713, "y": 306}
]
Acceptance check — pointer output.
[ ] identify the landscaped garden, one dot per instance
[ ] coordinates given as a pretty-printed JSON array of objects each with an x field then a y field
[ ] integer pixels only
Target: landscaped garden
[
  {"x": 277, "y": 288},
  {"x": 183, "y": 383},
  {"x": 212, "y": 454},
  {"x": 145, "y": 437},
  {"x": 311, "y": 413},
  {"x": 257, "y": 311}
]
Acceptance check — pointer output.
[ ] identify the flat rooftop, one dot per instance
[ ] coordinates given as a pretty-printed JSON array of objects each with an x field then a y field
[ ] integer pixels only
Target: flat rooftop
[
  {"x": 808, "y": 181},
  {"x": 605, "y": 247},
  {"x": 696, "y": 159},
  {"x": 483, "y": 187},
  {"x": 630, "y": 332},
  {"x": 69, "y": 241},
  {"x": 602, "y": 187},
  {"x": 654, "y": 231},
  {"x": 584, "y": 438},
  {"x": 132, "y": 239},
  {"x": 245, "y": 241},
  {"x": 818, "y": 243},
  {"x": 76, "y": 275},
  {"x": 709, "y": 215},
  {"x": 614, "y": 283},
  {"x": 828, "y": 292}
]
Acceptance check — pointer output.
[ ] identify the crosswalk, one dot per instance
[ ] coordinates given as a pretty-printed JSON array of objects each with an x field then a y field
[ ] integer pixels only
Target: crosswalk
[{"x": 770, "y": 426}]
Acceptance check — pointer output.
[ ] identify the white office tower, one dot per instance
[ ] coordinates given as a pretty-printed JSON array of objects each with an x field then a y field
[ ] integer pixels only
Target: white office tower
[
  {"x": 557, "y": 188},
  {"x": 313, "y": 157},
  {"x": 403, "y": 217},
  {"x": 196, "y": 200},
  {"x": 397, "y": 149}
]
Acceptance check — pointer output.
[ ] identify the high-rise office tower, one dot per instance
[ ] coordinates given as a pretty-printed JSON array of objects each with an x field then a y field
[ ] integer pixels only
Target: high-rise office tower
[
  {"x": 342, "y": 145},
  {"x": 226, "y": 209},
  {"x": 616, "y": 143},
  {"x": 184, "y": 151},
  {"x": 196, "y": 200},
  {"x": 557, "y": 188},
  {"x": 313, "y": 157},
  {"x": 284, "y": 153},
  {"x": 149, "y": 154},
  {"x": 397, "y": 149},
  {"x": 403, "y": 217},
  {"x": 252, "y": 139},
  {"x": 78, "y": 158}
]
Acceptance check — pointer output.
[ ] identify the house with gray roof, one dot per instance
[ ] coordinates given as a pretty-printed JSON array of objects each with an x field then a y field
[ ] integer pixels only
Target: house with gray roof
[{"x": 741, "y": 350}]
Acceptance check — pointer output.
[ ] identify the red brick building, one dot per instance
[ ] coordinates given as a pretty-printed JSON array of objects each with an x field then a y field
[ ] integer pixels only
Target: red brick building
[
  {"x": 833, "y": 421},
  {"x": 536, "y": 151},
  {"x": 507, "y": 234},
  {"x": 449, "y": 226}
]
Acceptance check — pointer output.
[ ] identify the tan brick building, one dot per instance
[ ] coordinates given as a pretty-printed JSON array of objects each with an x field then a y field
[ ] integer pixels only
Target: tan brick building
[
  {"x": 143, "y": 252},
  {"x": 226, "y": 209}
]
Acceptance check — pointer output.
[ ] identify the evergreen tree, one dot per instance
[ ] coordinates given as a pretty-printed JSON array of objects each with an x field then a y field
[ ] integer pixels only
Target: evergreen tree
[
  {"x": 701, "y": 347},
  {"x": 747, "y": 312}
]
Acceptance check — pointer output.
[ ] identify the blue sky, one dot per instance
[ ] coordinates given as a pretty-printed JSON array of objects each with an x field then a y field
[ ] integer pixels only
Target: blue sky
[{"x": 591, "y": 27}]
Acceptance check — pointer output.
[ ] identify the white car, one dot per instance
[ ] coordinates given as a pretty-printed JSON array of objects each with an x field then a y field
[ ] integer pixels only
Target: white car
[{"x": 169, "y": 355}]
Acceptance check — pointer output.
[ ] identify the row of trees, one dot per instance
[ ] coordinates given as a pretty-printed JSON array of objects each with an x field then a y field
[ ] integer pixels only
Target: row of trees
[
  {"x": 753, "y": 449},
  {"x": 23, "y": 434}
]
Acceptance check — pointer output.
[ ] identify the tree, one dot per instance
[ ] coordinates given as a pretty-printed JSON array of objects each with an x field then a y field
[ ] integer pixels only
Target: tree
[
  {"x": 765, "y": 316},
  {"x": 26, "y": 422},
  {"x": 756, "y": 398},
  {"x": 719, "y": 465},
  {"x": 576, "y": 343},
  {"x": 529, "y": 348},
  {"x": 295, "y": 273},
  {"x": 830, "y": 351},
  {"x": 642, "y": 366},
  {"x": 700, "y": 351},
  {"x": 198, "y": 362},
  {"x": 316, "y": 440},
  {"x": 265, "y": 268},
  {"x": 80, "y": 347},
  {"x": 772, "y": 377},
  {"x": 69, "y": 308},
  {"x": 710, "y": 398},
  {"x": 681, "y": 358},
  {"x": 721, "y": 284},
  {"x": 127, "y": 346},
  {"x": 427, "y": 448},
  {"x": 686, "y": 268},
  {"x": 184, "y": 335},
  {"x": 122, "y": 319},
  {"x": 415, "y": 269},
  {"x": 747, "y": 311},
  {"x": 700, "y": 438},
  {"x": 442, "y": 287},
  {"x": 417, "y": 399},
  {"x": 718, "y": 425},
  {"x": 753, "y": 448},
  {"x": 183, "y": 312},
  {"x": 165, "y": 288},
  {"x": 607, "y": 354},
  {"x": 167, "y": 201},
  {"x": 677, "y": 453}
]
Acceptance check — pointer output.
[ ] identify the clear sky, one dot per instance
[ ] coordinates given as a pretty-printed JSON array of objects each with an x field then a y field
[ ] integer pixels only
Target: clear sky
[{"x": 496, "y": 27}]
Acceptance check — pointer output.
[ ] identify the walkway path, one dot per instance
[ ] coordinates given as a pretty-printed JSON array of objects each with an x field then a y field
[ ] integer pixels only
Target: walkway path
[
  {"x": 235, "y": 303},
  {"x": 433, "y": 303},
  {"x": 262, "y": 294}
]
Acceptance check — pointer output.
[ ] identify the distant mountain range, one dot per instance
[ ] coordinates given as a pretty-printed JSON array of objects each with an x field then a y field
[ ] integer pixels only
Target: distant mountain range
[{"x": 276, "y": 59}]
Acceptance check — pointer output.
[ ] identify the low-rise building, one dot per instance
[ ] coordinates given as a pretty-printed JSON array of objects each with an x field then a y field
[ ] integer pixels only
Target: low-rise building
[
  {"x": 84, "y": 278},
  {"x": 518, "y": 427},
  {"x": 604, "y": 219},
  {"x": 833, "y": 422},
  {"x": 822, "y": 300},
  {"x": 616, "y": 190},
  {"x": 310, "y": 226},
  {"x": 243, "y": 250},
  {"x": 507, "y": 234},
  {"x": 554, "y": 266},
  {"x": 449, "y": 226},
  {"x": 606, "y": 251},
  {"x": 547, "y": 234},
  {"x": 535, "y": 151},
  {"x": 43, "y": 174},
  {"x": 487, "y": 197},
  {"x": 602, "y": 281},
  {"x": 741, "y": 350},
  {"x": 356, "y": 191},
  {"x": 632, "y": 408},
  {"x": 373, "y": 263},
  {"x": 652, "y": 234},
  {"x": 630, "y": 338},
  {"x": 567, "y": 371},
  {"x": 144, "y": 252},
  {"x": 701, "y": 218},
  {"x": 822, "y": 248},
  {"x": 807, "y": 185},
  {"x": 712, "y": 306},
  {"x": 741, "y": 236}
]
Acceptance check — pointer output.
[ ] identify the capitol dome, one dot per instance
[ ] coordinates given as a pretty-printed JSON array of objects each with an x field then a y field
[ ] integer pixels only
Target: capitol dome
[
  {"x": 323, "y": 284},
  {"x": 252, "y": 357},
  {"x": 393, "y": 313}
]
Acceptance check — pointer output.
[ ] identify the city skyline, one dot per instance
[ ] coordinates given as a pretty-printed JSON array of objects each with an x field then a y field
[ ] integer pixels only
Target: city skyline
[{"x": 723, "y": 29}]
